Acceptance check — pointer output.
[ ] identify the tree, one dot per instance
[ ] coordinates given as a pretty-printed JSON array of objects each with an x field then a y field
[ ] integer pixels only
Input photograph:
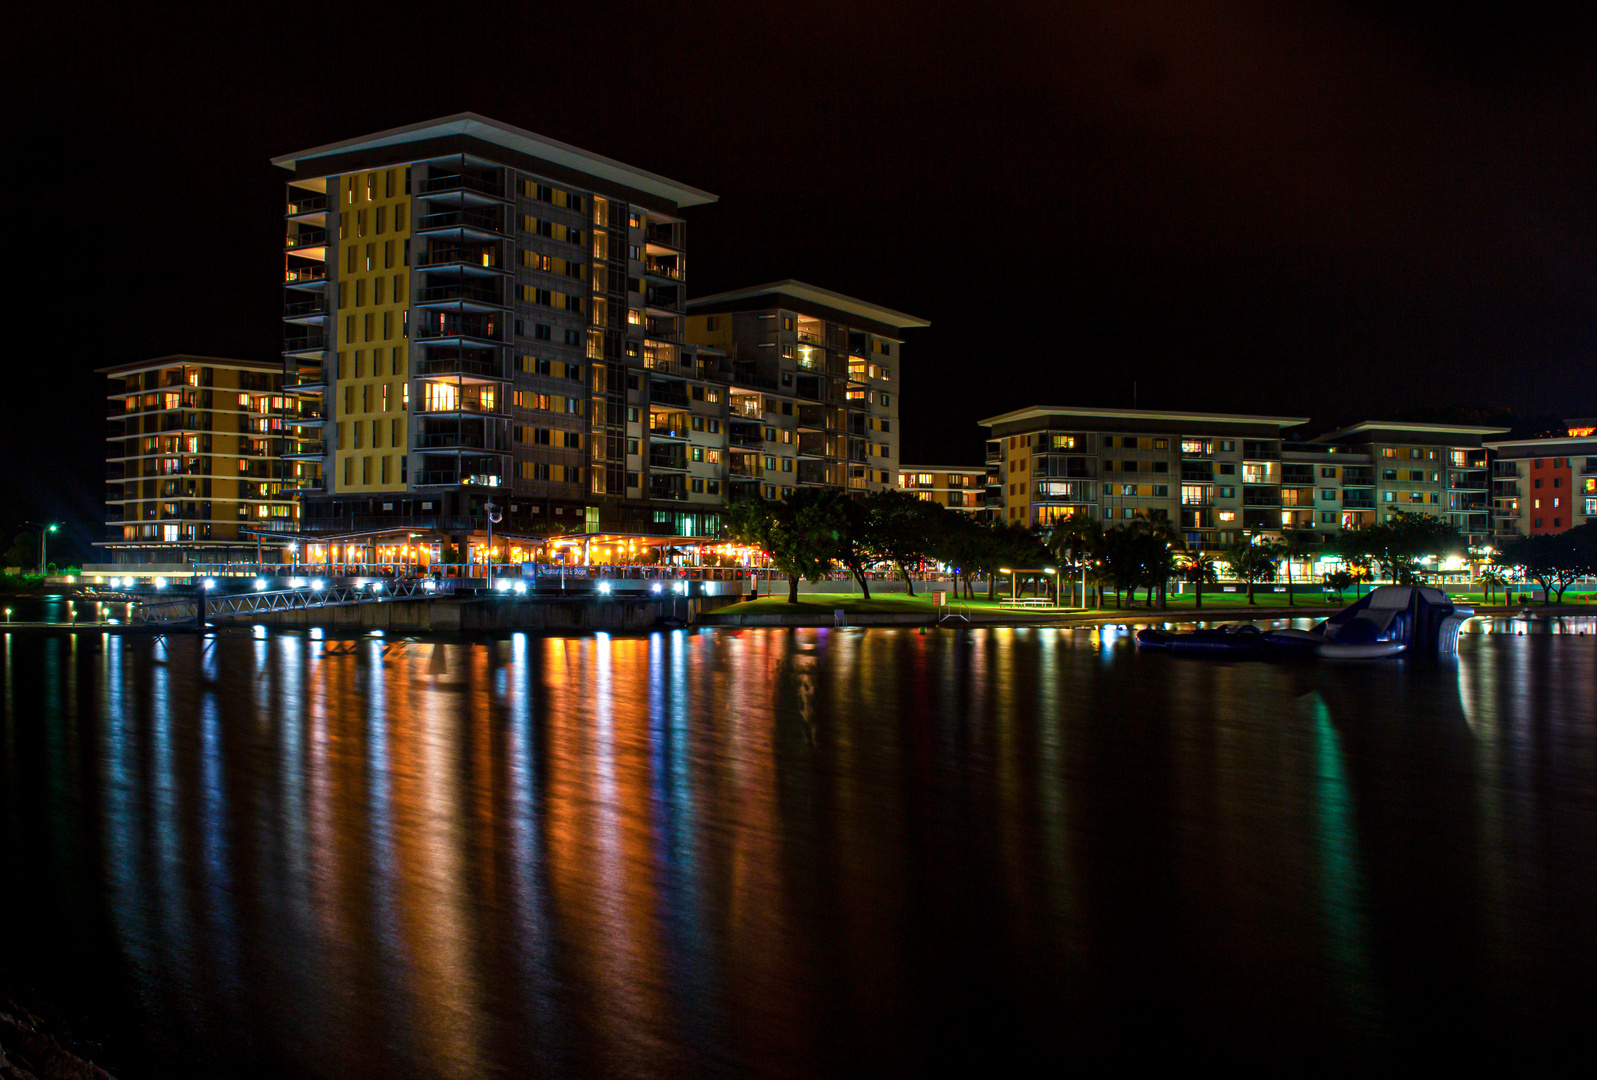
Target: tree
[
  {"x": 1338, "y": 581},
  {"x": 1198, "y": 570},
  {"x": 1293, "y": 543},
  {"x": 799, "y": 534},
  {"x": 1399, "y": 544},
  {"x": 1156, "y": 544},
  {"x": 900, "y": 528},
  {"x": 1492, "y": 579},
  {"x": 853, "y": 545},
  {"x": 1554, "y": 560},
  {"x": 1076, "y": 543},
  {"x": 1251, "y": 563}
]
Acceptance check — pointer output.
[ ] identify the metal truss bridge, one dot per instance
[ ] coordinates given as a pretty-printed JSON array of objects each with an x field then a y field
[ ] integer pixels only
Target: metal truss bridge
[{"x": 177, "y": 610}]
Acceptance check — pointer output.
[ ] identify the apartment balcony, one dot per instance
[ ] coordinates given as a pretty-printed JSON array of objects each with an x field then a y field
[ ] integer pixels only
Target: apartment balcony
[
  {"x": 464, "y": 408},
  {"x": 462, "y": 224},
  {"x": 661, "y": 235},
  {"x": 661, "y": 457},
  {"x": 305, "y": 276},
  {"x": 308, "y": 205},
  {"x": 463, "y": 367},
  {"x": 677, "y": 429},
  {"x": 304, "y": 485},
  {"x": 306, "y": 451},
  {"x": 305, "y": 240},
  {"x": 309, "y": 418},
  {"x": 462, "y": 190},
  {"x": 479, "y": 442},
  {"x": 668, "y": 392},
  {"x": 460, "y": 297},
  {"x": 444, "y": 329},
  {"x": 1261, "y": 496},
  {"x": 668, "y": 269},
  {"x": 470, "y": 261},
  {"x": 305, "y": 345},
  {"x": 451, "y": 478},
  {"x": 311, "y": 311},
  {"x": 306, "y": 384},
  {"x": 668, "y": 487}
]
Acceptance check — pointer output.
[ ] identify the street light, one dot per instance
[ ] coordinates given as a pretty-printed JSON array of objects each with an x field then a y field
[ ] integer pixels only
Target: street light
[{"x": 45, "y": 529}]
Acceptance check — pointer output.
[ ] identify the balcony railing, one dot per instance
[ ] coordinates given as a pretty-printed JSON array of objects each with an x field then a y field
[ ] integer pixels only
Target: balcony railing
[
  {"x": 465, "y": 440},
  {"x": 307, "y": 204},
  {"x": 443, "y": 185},
  {"x": 437, "y": 293},
  {"x": 458, "y": 256},
  {"x": 306, "y": 238},
  {"x": 460, "y": 219},
  {"x": 298, "y": 309},
  {"x": 304, "y": 343},
  {"x": 661, "y": 269},
  {"x": 461, "y": 365},
  {"x": 484, "y": 329},
  {"x": 305, "y": 275}
]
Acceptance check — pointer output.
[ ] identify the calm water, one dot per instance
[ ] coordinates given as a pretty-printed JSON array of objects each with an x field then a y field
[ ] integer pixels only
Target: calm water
[{"x": 794, "y": 853}]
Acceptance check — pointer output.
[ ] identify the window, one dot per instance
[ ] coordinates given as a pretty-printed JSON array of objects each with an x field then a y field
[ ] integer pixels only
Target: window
[
  {"x": 1161, "y": 444},
  {"x": 1227, "y": 468},
  {"x": 1328, "y": 494},
  {"x": 1228, "y": 493},
  {"x": 1328, "y": 472},
  {"x": 1228, "y": 515}
]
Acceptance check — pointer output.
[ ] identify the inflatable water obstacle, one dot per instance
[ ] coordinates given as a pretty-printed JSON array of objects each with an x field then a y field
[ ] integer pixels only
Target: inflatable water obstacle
[{"x": 1391, "y": 621}]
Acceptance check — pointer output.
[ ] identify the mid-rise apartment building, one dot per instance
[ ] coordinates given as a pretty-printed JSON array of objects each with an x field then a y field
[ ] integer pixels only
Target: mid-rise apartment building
[
  {"x": 957, "y": 487},
  {"x": 477, "y": 313},
  {"x": 1436, "y": 469},
  {"x": 1223, "y": 476},
  {"x": 195, "y": 459},
  {"x": 812, "y": 386},
  {"x": 1219, "y": 475},
  {"x": 1542, "y": 486}
]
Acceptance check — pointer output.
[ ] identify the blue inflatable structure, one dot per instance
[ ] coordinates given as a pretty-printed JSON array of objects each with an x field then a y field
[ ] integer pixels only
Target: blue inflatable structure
[{"x": 1391, "y": 621}]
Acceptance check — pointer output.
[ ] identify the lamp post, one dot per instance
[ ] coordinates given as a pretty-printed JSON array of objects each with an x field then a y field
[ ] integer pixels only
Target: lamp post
[
  {"x": 45, "y": 529},
  {"x": 493, "y": 516}
]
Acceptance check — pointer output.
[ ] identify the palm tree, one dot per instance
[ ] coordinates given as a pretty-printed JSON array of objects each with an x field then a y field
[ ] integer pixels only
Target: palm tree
[
  {"x": 1199, "y": 571},
  {"x": 1251, "y": 563},
  {"x": 1493, "y": 579},
  {"x": 1293, "y": 543}
]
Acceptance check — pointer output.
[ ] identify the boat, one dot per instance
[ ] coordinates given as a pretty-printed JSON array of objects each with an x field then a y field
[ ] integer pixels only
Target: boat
[{"x": 1391, "y": 621}]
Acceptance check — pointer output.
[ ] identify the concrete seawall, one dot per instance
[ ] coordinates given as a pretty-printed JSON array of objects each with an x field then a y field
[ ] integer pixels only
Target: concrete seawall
[{"x": 472, "y": 615}]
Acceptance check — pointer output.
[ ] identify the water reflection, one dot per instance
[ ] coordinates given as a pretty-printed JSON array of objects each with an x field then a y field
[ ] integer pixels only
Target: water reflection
[{"x": 802, "y": 852}]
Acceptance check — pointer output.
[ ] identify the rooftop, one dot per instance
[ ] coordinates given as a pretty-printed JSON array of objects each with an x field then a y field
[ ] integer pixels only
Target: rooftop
[
  {"x": 198, "y": 361},
  {"x": 511, "y": 138},
  {"x": 814, "y": 294},
  {"x": 1399, "y": 425},
  {"x": 1040, "y": 411}
]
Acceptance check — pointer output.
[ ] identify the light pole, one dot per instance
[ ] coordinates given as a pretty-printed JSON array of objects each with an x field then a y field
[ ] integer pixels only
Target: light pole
[
  {"x": 493, "y": 516},
  {"x": 45, "y": 529}
]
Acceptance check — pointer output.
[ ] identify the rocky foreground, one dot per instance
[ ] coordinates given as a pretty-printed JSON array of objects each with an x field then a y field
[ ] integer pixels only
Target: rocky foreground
[{"x": 31, "y": 1050}]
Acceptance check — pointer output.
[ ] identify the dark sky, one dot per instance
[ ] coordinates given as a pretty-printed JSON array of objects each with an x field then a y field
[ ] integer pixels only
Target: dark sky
[{"x": 1329, "y": 210}]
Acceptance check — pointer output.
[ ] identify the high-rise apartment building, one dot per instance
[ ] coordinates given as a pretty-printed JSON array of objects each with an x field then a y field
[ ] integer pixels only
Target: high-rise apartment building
[
  {"x": 473, "y": 313},
  {"x": 813, "y": 379},
  {"x": 194, "y": 459},
  {"x": 957, "y": 487}
]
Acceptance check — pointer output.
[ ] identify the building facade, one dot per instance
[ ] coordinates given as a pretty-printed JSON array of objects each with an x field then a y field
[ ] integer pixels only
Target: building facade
[
  {"x": 195, "y": 460},
  {"x": 472, "y": 315},
  {"x": 1222, "y": 477},
  {"x": 1542, "y": 486},
  {"x": 1437, "y": 469},
  {"x": 1217, "y": 475},
  {"x": 812, "y": 386},
  {"x": 479, "y": 316},
  {"x": 957, "y": 487}
]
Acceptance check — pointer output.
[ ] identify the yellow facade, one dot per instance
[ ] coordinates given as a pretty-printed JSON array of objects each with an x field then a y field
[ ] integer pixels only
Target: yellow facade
[{"x": 370, "y": 388}]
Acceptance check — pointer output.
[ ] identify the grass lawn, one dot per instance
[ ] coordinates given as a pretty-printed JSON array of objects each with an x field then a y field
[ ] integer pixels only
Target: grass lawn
[{"x": 826, "y": 603}]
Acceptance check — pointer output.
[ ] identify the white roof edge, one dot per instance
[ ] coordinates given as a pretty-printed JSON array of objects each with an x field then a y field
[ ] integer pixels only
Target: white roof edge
[
  {"x": 1398, "y": 425},
  {"x": 513, "y": 138},
  {"x": 840, "y": 301},
  {"x": 1143, "y": 414},
  {"x": 1554, "y": 440}
]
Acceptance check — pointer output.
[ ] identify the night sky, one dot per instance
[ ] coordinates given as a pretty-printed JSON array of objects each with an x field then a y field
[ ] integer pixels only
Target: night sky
[{"x": 1330, "y": 210}]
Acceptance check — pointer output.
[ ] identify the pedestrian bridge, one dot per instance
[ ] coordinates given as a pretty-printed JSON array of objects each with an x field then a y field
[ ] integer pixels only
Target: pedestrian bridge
[{"x": 194, "y": 608}]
